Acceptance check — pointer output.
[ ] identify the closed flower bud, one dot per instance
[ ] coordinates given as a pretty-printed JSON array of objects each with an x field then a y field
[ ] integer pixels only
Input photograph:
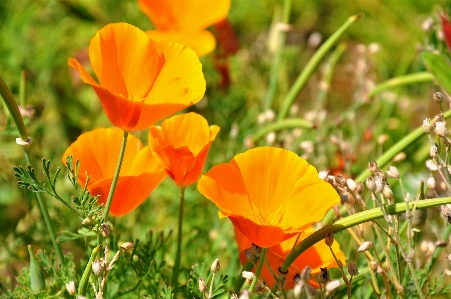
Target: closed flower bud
[
  {"x": 440, "y": 128},
  {"x": 324, "y": 174},
  {"x": 329, "y": 239},
  {"x": 341, "y": 181},
  {"x": 372, "y": 166},
  {"x": 70, "y": 288},
  {"x": 379, "y": 185},
  {"x": 256, "y": 250},
  {"x": 97, "y": 266},
  {"x": 250, "y": 257},
  {"x": 365, "y": 246},
  {"x": 215, "y": 266},
  {"x": 438, "y": 97},
  {"x": 431, "y": 183},
  {"x": 332, "y": 285},
  {"x": 86, "y": 221},
  {"x": 430, "y": 164},
  {"x": 351, "y": 185},
  {"x": 370, "y": 184},
  {"x": 374, "y": 265},
  {"x": 427, "y": 125},
  {"x": 400, "y": 157},
  {"x": 270, "y": 115},
  {"x": 324, "y": 276},
  {"x": 202, "y": 285},
  {"x": 434, "y": 150},
  {"x": 352, "y": 269},
  {"x": 127, "y": 246},
  {"x": 248, "y": 275},
  {"x": 393, "y": 172},
  {"x": 445, "y": 211},
  {"x": 387, "y": 192},
  {"x": 360, "y": 187},
  {"x": 37, "y": 281},
  {"x": 135, "y": 258}
]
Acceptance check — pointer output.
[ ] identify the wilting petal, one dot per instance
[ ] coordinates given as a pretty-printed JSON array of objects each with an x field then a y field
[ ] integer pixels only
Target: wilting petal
[
  {"x": 98, "y": 152},
  {"x": 185, "y": 15},
  {"x": 202, "y": 41},
  {"x": 181, "y": 146}
]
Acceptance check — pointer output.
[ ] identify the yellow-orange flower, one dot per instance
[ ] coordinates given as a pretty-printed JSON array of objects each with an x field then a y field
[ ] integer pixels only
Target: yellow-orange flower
[
  {"x": 181, "y": 146},
  {"x": 318, "y": 256},
  {"x": 269, "y": 194},
  {"x": 141, "y": 81},
  {"x": 98, "y": 152},
  {"x": 184, "y": 21}
]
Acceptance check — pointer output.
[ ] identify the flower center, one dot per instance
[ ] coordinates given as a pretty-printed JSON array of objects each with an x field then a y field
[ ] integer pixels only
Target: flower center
[{"x": 273, "y": 219}]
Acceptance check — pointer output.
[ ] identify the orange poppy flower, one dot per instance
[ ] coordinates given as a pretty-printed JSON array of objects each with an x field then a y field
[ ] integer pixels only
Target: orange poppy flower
[
  {"x": 98, "y": 152},
  {"x": 141, "y": 81},
  {"x": 181, "y": 146},
  {"x": 318, "y": 256},
  {"x": 184, "y": 21},
  {"x": 269, "y": 194}
]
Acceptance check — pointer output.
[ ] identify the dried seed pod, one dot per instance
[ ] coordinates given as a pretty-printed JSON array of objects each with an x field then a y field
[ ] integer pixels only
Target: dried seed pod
[
  {"x": 341, "y": 181},
  {"x": 370, "y": 184},
  {"x": 374, "y": 265},
  {"x": 329, "y": 239},
  {"x": 393, "y": 172},
  {"x": 306, "y": 273},
  {"x": 360, "y": 187},
  {"x": 256, "y": 250},
  {"x": 365, "y": 246},
  {"x": 352, "y": 269},
  {"x": 202, "y": 285},
  {"x": 351, "y": 185},
  {"x": 427, "y": 126},
  {"x": 445, "y": 211},
  {"x": 97, "y": 266},
  {"x": 438, "y": 97},
  {"x": 387, "y": 192},
  {"x": 324, "y": 276},
  {"x": 372, "y": 166},
  {"x": 430, "y": 183},
  {"x": 127, "y": 245}
]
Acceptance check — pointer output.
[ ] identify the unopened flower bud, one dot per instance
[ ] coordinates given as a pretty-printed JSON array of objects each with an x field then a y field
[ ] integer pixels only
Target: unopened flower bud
[
  {"x": 445, "y": 211},
  {"x": 270, "y": 115},
  {"x": 351, "y": 185},
  {"x": 202, "y": 285},
  {"x": 248, "y": 142},
  {"x": 379, "y": 185},
  {"x": 440, "y": 128},
  {"x": 430, "y": 164},
  {"x": 393, "y": 172},
  {"x": 365, "y": 246},
  {"x": 261, "y": 118},
  {"x": 250, "y": 257},
  {"x": 427, "y": 125},
  {"x": 374, "y": 265},
  {"x": 215, "y": 266},
  {"x": 341, "y": 181},
  {"x": 431, "y": 183},
  {"x": 382, "y": 139},
  {"x": 387, "y": 192},
  {"x": 360, "y": 187},
  {"x": 97, "y": 266},
  {"x": 400, "y": 157},
  {"x": 438, "y": 97},
  {"x": 248, "y": 275},
  {"x": 329, "y": 239},
  {"x": 372, "y": 166},
  {"x": 135, "y": 258},
  {"x": 324, "y": 174},
  {"x": 271, "y": 138},
  {"x": 256, "y": 250},
  {"x": 87, "y": 221},
  {"x": 370, "y": 184},
  {"x": 324, "y": 276},
  {"x": 352, "y": 269},
  {"x": 127, "y": 246},
  {"x": 70, "y": 288},
  {"x": 434, "y": 150}
]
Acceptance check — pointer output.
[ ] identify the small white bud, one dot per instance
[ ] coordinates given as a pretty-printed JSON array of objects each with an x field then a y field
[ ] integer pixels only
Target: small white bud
[
  {"x": 270, "y": 115},
  {"x": 271, "y": 138},
  {"x": 399, "y": 157},
  {"x": 332, "y": 285},
  {"x": 373, "y": 48},
  {"x": 70, "y": 288},
  {"x": 393, "y": 172},
  {"x": 427, "y": 125},
  {"x": 428, "y": 24},
  {"x": 97, "y": 266},
  {"x": 379, "y": 184},
  {"x": 387, "y": 192},
  {"x": 351, "y": 185},
  {"x": 314, "y": 39},
  {"x": 365, "y": 246},
  {"x": 431, "y": 183},
  {"x": 215, "y": 266},
  {"x": 434, "y": 150},
  {"x": 440, "y": 128},
  {"x": 261, "y": 118},
  {"x": 307, "y": 146},
  {"x": 324, "y": 174},
  {"x": 430, "y": 164},
  {"x": 382, "y": 139},
  {"x": 248, "y": 275}
]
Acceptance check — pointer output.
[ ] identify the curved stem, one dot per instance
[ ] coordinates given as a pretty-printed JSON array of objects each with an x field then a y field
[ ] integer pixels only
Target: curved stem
[
  {"x": 240, "y": 279},
  {"x": 400, "y": 81},
  {"x": 86, "y": 273},
  {"x": 289, "y": 123},
  {"x": 308, "y": 70},
  {"x": 115, "y": 178},
  {"x": 179, "y": 242},
  {"x": 356, "y": 219},
  {"x": 13, "y": 110}
]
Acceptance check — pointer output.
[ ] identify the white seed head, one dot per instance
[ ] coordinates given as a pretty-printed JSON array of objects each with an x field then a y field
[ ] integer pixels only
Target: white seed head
[
  {"x": 431, "y": 183},
  {"x": 270, "y": 115},
  {"x": 427, "y": 125},
  {"x": 393, "y": 172},
  {"x": 324, "y": 175},
  {"x": 428, "y": 24},
  {"x": 271, "y": 138},
  {"x": 248, "y": 275},
  {"x": 440, "y": 128},
  {"x": 365, "y": 246},
  {"x": 332, "y": 285},
  {"x": 430, "y": 164},
  {"x": 70, "y": 288}
]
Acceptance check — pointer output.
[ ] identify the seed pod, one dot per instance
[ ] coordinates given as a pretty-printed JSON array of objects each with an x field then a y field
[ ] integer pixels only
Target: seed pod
[
  {"x": 215, "y": 266},
  {"x": 374, "y": 265},
  {"x": 37, "y": 281},
  {"x": 202, "y": 285},
  {"x": 365, "y": 246},
  {"x": 427, "y": 125},
  {"x": 352, "y": 269},
  {"x": 351, "y": 185},
  {"x": 70, "y": 288},
  {"x": 370, "y": 184},
  {"x": 329, "y": 239},
  {"x": 127, "y": 246},
  {"x": 393, "y": 172},
  {"x": 372, "y": 166},
  {"x": 438, "y": 97},
  {"x": 324, "y": 276}
]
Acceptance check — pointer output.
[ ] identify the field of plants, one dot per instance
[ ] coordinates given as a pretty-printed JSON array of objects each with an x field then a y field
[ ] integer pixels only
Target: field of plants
[{"x": 225, "y": 149}]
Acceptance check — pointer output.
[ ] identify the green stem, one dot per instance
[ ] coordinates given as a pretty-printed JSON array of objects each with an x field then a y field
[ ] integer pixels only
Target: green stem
[
  {"x": 23, "y": 90},
  {"x": 289, "y": 123},
  {"x": 354, "y": 220},
  {"x": 395, "y": 149},
  {"x": 115, "y": 178},
  {"x": 275, "y": 70},
  {"x": 45, "y": 214},
  {"x": 240, "y": 279},
  {"x": 86, "y": 273},
  {"x": 13, "y": 110},
  {"x": 175, "y": 277},
  {"x": 400, "y": 81},
  {"x": 259, "y": 269},
  {"x": 308, "y": 70}
]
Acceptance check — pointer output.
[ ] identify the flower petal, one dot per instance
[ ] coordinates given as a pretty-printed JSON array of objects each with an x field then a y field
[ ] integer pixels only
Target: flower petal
[
  {"x": 184, "y": 15},
  {"x": 201, "y": 41}
]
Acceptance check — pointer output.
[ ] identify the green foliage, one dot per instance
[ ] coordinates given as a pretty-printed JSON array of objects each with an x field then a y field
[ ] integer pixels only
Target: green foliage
[{"x": 202, "y": 271}]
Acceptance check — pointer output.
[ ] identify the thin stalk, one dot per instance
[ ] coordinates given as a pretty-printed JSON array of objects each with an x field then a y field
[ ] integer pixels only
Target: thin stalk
[
  {"x": 87, "y": 272},
  {"x": 13, "y": 110},
  {"x": 115, "y": 178},
  {"x": 275, "y": 69},
  {"x": 400, "y": 81},
  {"x": 175, "y": 277},
  {"x": 289, "y": 123},
  {"x": 240, "y": 279},
  {"x": 259, "y": 269},
  {"x": 308, "y": 70},
  {"x": 23, "y": 89}
]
